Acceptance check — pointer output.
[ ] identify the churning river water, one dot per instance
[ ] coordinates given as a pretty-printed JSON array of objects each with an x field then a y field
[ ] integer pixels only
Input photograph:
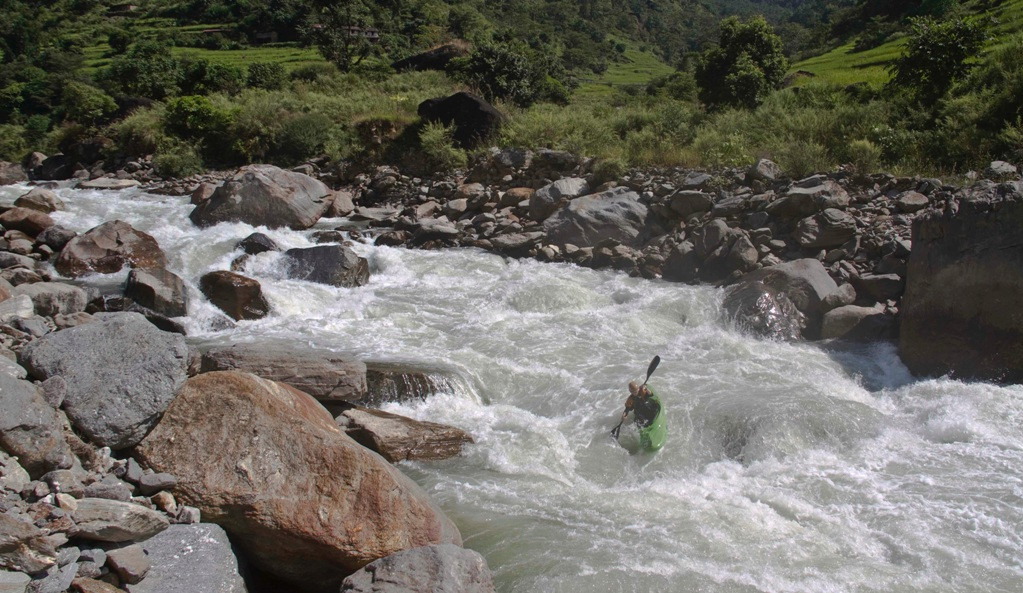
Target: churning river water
[{"x": 788, "y": 467}]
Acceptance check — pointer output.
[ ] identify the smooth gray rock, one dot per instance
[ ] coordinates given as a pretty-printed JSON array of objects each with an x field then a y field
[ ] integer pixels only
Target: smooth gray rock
[
  {"x": 103, "y": 520},
  {"x": 108, "y": 183},
  {"x": 438, "y": 568},
  {"x": 40, "y": 199},
  {"x": 56, "y": 580},
  {"x": 10, "y": 368},
  {"x": 911, "y": 201},
  {"x": 121, "y": 373},
  {"x": 159, "y": 290},
  {"x": 17, "y": 307},
  {"x": 150, "y": 484},
  {"x": 265, "y": 195},
  {"x": 398, "y": 438},
  {"x": 11, "y": 173},
  {"x": 56, "y": 237},
  {"x": 688, "y": 202},
  {"x": 616, "y": 214},
  {"x": 764, "y": 170},
  {"x": 325, "y": 375},
  {"x": 839, "y": 322},
  {"x": 546, "y": 200},
  {"x": 336, "y": 265},
  {"x": 54, "y": 298},
  {"x": 13, "y": 477},
  {"x": 804, "y": 199},
  {"x": 190, "y": 559},
  {"x": 107, "y": 248},
  {"x": 30, "y": 429},
  {"x": 830, "y": 228},
  {"x": 840, "y": 297},
  {"x": 13, "y": 582}
]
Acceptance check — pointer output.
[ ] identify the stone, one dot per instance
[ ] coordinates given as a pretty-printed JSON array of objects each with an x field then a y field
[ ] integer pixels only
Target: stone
[
  {"x": 24, "y": 547},
  {"x": 108, "y": 183},
  {"x": 55, "y": 237},
  {"x": 805, "y": 282},
  {"x": 268, "y": 463},
  {"x": 109, "y": 488},
  {"x": 107, "y": 248},
  {"x": 842, "y": 320},
  {"x": 764, "y": 170},
  {"x": 240, "y": 297},
  {"x": 336, "y": 265},
  {"x": 16, "y": 307},
  {"x": 89, "y": 585},
  {"x": 265, "y": 195},
  {"x": 130, "y": 563},
  {"x": 911, "y": 201},
  {"x": 805, "y": 199},
  {"x": 257, "y": 243},
  {"x": 509, "y": 160},
  {"x": 12, "y": 368},
  {"x": 475, "y": 121},
  {"x": 443, "y": 568},
  {"x": 31, "y": 429},
  {"x": 516, "y": 244},
  {"x": 56, "y": 580},
  {"x": 437, "y": 58},
  {"x": 327, "y": 376},
  {"x": 13, "y": 582},
  {"x": 54, "y": 298},
  {"x": 685, "y": 203},
  {"x": 159, "y": 290},
  {"x": 830, "y": 228},
  {"x": 397, "y": 438},
  {"x": 616, "y": 214},
  {"x": 763, "y": 310},
  {"x": 120, "y": 370},
  {"x": 190, "y": 559},
  {"x": 150, "y": 484},
  {"x": 26, "y": 220},
  {"x": 880, "y": 287},
  {"x": 342, "y": 205},
  {"x": 113, "y": 521},
  {"x": 1000, "y": 170},
  {"x": 841, "y": 296},
  {"x": 403, "y": 382},
  {"x": 682, "y": 264},
  {"x": 11, "y": 173},
  {"x": 202, "y": 192},
  {"x": 13, "y": 477},
  {"x": 41, "y": 200},
  {"x": 514, "y": 196},
  {"x": 544, "y": 201}
]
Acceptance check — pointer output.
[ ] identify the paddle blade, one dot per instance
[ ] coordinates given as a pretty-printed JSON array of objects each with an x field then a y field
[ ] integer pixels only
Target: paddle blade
[{"x": 653, "y": 367}]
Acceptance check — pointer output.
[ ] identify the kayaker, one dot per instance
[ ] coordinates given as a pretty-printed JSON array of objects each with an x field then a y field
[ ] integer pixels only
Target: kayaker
[{"x": 641, "y": 404}]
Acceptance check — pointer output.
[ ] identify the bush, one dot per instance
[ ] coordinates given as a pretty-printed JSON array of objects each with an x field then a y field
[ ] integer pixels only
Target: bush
[
  {"x": 301, "y": 137},
  {"x": 800, "y": 158},
  {"x": 267, "y": 75},
  {"x": 87, "y": 104},
  {"x": 438, "y": 148},
  {"x": 177, "y": 160},
  {"x": 502, "y": 72},
  {"x": 139, "y": 134},
  {"x": 203, "y": 77},
  {"x": 196, "y": 117},
  {"x": 147, "y": 69},
  {"x": 865, "y": 157},
  {"x": 936, "y": 56},
  {"x": 119, "y": 40},
  {"x": 745, "y": 67},
  {"x": 609, "y": 169},
  {"x": 313, "y": 72},
  {"x": 12, "y": 142}
]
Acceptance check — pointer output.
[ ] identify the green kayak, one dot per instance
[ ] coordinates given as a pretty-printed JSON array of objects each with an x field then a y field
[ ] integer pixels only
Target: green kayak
[{"x": 652, "y": 437}]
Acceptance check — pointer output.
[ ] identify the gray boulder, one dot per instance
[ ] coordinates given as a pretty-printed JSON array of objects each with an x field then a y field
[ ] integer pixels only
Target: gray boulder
[
  {"x": 264, "y": 195},
  {"x": 685, "y": 203},
  {"x": 804, "y": 199},
  {"x": 764, "y": 170},
  {"x": 439, "y": 568},
  {"x": 911, "y": 201},
  {"x": 31, "y": 429},
  {"x": 99, "y": 519},
  {"x": 16, "y": 307},
  {"x": 159, "y": 290},
  {"x": 830, "y": 228},
  {"x": 24, "y": 547},
  {"x": 843, "y": 320},
  {"x": 548, "y": 198},
  {"x": 40, "y": 199},
  {"x": 616, "y": 214},
  {"x": 121, "y": 373},
  {"x": 880, "y": 287},
  {"x": 54, "y": 298},
  {"x": 108, "y": 183},
  {"x": 29, "y": 221},
  {"x": 13, "y": 582},
  {"x": 758, "y": 308},
  {"x": 397, "y": 438},
  {"x": 11, "y": 173},
  {"x": 256, "y": 243},
  {"x": 336, "y": 265},
  {"x": 55, "y": 237},
  {"x": 805, "y": 282},
  {"x": 325, "y": 375},
  {"x": 13, "y": 477},
  {"x": 191, "y": 559}
]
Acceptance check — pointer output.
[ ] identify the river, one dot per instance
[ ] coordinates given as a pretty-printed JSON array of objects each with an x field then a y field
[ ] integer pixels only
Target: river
[{"x": 788, "y": 468}]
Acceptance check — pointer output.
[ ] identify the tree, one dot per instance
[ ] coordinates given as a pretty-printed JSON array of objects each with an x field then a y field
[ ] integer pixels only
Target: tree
[
  {"x": 937, "y": 55},
  {"x": 503, "y": 72},
  {"x": 147, "y": 69},
  {"x": 336, "y": 28},
  {"x": 745, "y": 67}
]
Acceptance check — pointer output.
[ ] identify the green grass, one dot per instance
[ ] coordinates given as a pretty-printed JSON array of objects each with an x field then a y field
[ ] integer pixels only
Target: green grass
[{"x": 638, "y": 68}]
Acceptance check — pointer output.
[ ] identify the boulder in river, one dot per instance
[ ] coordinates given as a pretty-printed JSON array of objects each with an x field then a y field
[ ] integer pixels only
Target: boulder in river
[
  {"x": 234, "y": 294},
  {"x": 11, "y": 173},
  {"x": 265, "y": 195},
  {"x": 304, "y": 501},
  {"x": 765, "y": 311},
  {"x": 804, "y": 282},
  {"x": 442, "y": 568},
  {"x": 29, "y": 221},
  {"x": 107, "y": 248},
  {"x": 327, "y": 376},
  {"x": 41, "y": 200},
  {"x": 159, "y": 290},
  {"x": 616, "y": 214},
  {"x": 398, "y": 438},
  {"x": 120, "y": 371},
  {"x": 336, "y": 265}
]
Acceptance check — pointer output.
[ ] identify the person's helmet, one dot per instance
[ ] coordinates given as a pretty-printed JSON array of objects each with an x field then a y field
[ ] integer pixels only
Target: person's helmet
[{"x": 633, "y": 388}]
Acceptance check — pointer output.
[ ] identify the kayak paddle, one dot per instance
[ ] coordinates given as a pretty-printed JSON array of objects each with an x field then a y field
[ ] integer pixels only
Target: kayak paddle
[{"x": 649, "y": 371}]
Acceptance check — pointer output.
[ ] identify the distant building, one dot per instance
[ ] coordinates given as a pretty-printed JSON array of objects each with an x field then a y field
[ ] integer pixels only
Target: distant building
[
  {"x": 371, "y": 34},
  {"x": 122, "y": 9}
]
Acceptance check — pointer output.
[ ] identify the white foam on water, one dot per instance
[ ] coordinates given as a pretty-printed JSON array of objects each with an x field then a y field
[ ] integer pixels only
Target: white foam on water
[{"x": 788, "y": 468}]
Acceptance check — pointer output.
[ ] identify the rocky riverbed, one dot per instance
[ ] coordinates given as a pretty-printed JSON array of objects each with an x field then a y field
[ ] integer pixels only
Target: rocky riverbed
[{"x": 123, "y": 446}]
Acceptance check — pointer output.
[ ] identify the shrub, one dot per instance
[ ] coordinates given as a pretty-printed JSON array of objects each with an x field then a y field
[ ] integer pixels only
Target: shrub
[
  {"x": 147, "y": 69},
  {"x": 196, "y": 117},
  {"x": 12, "y": 142},
  {"x": 36, "y": 127},
  {"x": 609, "y": 169},
  {"x": 936, "y": 55},
  {"x": 177, "y": 160},
  {"x": 502, "y": 72},
  {"x": 865, "y": 157},
  {"x": 800, "y": 158},
  {"x": 203, "y": 77},
  {"x": 119, "y": 40},
  {"x": 267, "y": 75},
  {"x": 87, "y": 104},
  {"x": 141, "y": 133},
  {"x": 745, "y": 67},
  {"x": 438, "y": 148},
  {"x": 313, "y": 72},
  {"x": 301, "y": 137}
]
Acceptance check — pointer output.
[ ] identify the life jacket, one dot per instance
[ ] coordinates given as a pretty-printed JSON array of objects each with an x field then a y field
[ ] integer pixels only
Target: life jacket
[{"x": 645, "y": 408}]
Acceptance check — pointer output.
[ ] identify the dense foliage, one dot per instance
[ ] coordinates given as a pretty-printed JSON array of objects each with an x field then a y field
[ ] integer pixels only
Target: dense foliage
[{"x": 745, "y": 67}]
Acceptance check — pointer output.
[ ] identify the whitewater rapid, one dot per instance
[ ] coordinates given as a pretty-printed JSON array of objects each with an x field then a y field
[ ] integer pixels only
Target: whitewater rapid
[{"x": 788, "y": 468}]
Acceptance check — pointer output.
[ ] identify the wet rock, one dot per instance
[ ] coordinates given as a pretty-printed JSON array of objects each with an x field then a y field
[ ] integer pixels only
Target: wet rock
[
  {"x": 475, "y": 121},
  {"x": 238, "y": 296},
  {"x": 107, "y": 248},
  {"x": 804, "y": 282},
  {"x": 120, "y": 370},
  {"x": 325, "y": 375},
  {"x": 544, "y": 201},
  {"x": 41, "y": 200},
  {"x": 55, "y": 237},
  {"x": 108, "y": 183},
  {"x": 682, "y": 263},
  {"x": 24, "y": 547},
  {"x": 257, "y": 243},
  {"x": 843, "y": 320},
  {"x": 398, "y": 438},
  {"x": 264, "y": 195},
  {"x": 190, "y": 559},
  {"x": 159, "y": 290},
  {"x": 336, "y": 265},
  {"x": 113, "y": 521},
  {"x": 440, "y": 568},
  {"x": 402, "y": 382},
  {"x": 616, "y": 214},
  {"x": 54, "y": 298},
  {"x": 30, "y": 429},
  {"x": 252, "y": 455},
  {"x": 56, "y": 167},
  {"x": 26, "y": 220},
  {"x": 764, "y": 311},
  {"x": 516, "y": 244}
]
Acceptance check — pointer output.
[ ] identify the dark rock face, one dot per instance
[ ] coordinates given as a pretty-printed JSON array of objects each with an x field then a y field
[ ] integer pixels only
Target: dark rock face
[
  {"x": 158, "y": 290},
  {"x": 397, "y": 438},
  {"x": 437, "y": 58},
  {"x": 265, "y": 195},
  {"x": 441, "y": 568},
  {"x": 107, "y": 248},
  {"x": 234, "y": 294},
  {"x": 57, "y": 167},
  {"x": 257, "y": 243},
  {"x": 616, "y": 214},
  {"x": 960, "y": 313},
  {"x": 758, "y": 308},
  {"x": 336, "y": 265},
  {"x": 120, "y": 371},
  {"x": 474, "y": 119},
  {"x": 325, "y": 375}
]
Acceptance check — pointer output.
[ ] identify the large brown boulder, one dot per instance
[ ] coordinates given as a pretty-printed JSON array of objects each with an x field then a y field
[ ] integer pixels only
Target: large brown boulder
[
  {"x": 325, "y": 375},
  {"x": 29, "y": 221},
  {"x": 268, "y": 464},
  {"x": 107, "y": 248},
  {"x": 960, "y": 313},
  {"x": 264, "y": 195},
  {"x": 234, "y": 294},
  {"x": 398, "y": 438},
  {"x": 11, "y": 173}
]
